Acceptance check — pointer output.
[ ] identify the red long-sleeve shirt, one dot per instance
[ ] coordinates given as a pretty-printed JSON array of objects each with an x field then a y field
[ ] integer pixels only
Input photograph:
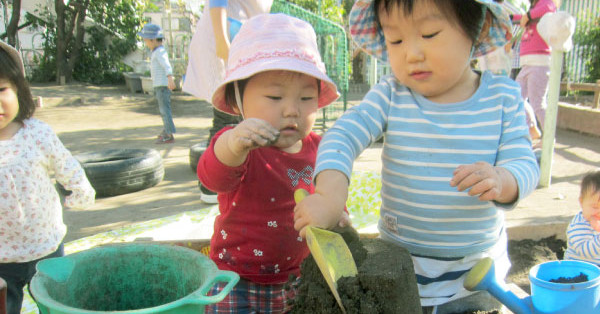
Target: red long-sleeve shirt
[{"x": 254, "y": 233}]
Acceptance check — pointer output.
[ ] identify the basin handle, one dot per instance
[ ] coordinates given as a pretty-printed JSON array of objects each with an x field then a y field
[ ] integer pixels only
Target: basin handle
[{"x": 231, "y": 278}]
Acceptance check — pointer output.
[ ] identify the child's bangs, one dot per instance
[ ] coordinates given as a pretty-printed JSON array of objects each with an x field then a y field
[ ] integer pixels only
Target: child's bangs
[{"x": 466, "y": 14}]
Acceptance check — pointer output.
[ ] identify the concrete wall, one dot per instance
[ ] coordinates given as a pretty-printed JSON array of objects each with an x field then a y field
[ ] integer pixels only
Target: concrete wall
[{"x": 578, "y": 118}]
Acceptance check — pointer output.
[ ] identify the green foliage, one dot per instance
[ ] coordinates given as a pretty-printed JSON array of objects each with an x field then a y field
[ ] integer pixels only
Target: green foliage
[
  {"x": 328, "y": 9},
  {"x": 106, "y": 43},
  {"x": 588, "y": 35}
]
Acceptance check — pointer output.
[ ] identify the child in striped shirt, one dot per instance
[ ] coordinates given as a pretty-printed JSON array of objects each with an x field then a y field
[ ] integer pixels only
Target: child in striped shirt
[
  {"x": 583, "y": 233},
  {"x": 456, "y": 150}
]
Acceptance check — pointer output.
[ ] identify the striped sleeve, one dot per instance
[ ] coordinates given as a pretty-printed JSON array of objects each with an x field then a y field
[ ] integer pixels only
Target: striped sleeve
[
  {"x": 356, "y": 130},
  {"x": 583, "y": 243},
  {"x": 514, "y": 151}
]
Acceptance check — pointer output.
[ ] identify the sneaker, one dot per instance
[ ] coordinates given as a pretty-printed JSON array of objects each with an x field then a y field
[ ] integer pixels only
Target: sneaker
[
  {"x": 206, "y": 195},
  {"x": 167, "y": 139},
  {"x": 162, "y": 134}
]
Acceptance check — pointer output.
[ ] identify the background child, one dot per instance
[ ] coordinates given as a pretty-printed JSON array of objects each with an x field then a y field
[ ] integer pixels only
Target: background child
[
  {"x": 534, "y": 54},
  {"x": 208, "y": 53},
  {"x": 456, "y": 147},
  {"x": 162, "y": 79},
  {"x": 583, "y": 234},
  {"x": 31, "y": 221},
  {"x": 276, "y": 81}
]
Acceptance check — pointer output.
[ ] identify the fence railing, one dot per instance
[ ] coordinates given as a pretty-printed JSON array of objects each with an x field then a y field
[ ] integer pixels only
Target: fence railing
[{"x": 576, "y": 59}]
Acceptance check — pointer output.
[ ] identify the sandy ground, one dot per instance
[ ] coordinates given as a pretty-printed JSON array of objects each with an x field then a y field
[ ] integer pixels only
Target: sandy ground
[{"x": 92, "y": 118}]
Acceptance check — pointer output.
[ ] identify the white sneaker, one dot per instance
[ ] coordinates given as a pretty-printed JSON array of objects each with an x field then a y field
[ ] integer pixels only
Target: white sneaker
[{"x": 207, "y": 196}]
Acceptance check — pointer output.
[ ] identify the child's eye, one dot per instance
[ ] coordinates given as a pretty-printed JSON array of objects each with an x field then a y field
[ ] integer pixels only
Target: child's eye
[
  {"x": 274, "y": 97},
  {"x": 396, "y": 42},
  {"x": 307, "y": 98},
  {"x": 431, "y": 35}
]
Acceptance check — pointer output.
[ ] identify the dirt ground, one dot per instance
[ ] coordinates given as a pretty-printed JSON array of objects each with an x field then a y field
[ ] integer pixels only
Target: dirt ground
[{"x": 91, "y": 118}]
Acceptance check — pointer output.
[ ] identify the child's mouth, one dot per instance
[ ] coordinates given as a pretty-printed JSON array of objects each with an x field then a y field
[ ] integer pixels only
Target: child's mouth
[{"x": 420, "y": 75}]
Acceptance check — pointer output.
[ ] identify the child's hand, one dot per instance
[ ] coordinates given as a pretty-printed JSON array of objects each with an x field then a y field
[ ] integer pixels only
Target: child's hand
[
  {"x": 524, "y": 20},
  {"x": 591, "y": 211},
  {"x": 594, "y": 221},
  {"x": 250, "y": 134},
  {"x": 317, "y": 211},
  {"x": 171, "y": 83},
  {"x": 489, "y": 182},
  {"x": 325, "y": 207}
]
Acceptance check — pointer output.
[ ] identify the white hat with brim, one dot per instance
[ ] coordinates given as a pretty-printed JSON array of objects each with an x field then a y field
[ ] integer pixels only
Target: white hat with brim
[
  {"x": 269, "y": 42},
  {"x": 368, "y": 35},
  {"x": 14, "y": 54}
]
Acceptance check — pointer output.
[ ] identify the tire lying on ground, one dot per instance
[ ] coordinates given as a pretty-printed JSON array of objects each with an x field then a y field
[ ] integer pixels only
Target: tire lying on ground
[
  {"x": 196, "y": 151},
  {"x": 120, "y": 171}
]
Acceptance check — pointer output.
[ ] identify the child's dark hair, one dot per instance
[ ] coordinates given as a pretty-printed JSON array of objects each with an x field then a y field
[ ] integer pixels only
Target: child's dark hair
[
  {"x": 468, "y": 14},
  {"x": 590, "y": 184},
  {"x": 230, "y": 93},
  {"x": 12, "y": 72}
]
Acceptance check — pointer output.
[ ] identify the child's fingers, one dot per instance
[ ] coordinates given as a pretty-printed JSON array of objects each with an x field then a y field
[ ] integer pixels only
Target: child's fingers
[{"x": 259, "y": 131}]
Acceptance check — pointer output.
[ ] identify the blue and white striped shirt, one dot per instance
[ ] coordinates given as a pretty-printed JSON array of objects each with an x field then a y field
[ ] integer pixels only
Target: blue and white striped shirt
[
  {"x": 583, "y": 242},
  {"x": 424, "y": 143},
  {"x": 160, "y": 67}
]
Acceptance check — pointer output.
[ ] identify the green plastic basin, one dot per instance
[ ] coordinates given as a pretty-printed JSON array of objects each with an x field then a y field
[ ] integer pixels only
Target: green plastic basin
[{"x": 129, "y": 278}]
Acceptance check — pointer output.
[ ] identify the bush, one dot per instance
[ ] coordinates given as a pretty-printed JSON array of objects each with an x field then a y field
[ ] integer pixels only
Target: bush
[
  {"x": 106, "y": 43},
  {"x": 588, "y": 35}
]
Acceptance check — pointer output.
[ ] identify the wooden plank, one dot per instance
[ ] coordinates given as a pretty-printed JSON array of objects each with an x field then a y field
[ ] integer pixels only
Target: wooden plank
[{"x": 588, "y": 87}]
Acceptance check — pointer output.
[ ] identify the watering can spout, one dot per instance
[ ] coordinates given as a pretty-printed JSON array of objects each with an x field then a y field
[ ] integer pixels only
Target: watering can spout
[{"x": 482, "y": 277}]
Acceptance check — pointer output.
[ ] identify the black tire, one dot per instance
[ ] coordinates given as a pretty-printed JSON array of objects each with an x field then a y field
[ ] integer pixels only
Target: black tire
[
  {"x": 120, "y": 171},
  {"x": 196, "y": 151}
]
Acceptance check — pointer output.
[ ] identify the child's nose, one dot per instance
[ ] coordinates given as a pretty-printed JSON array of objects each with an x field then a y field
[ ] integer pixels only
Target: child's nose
[
  {"x": 414, "y": 53},
  {"x": 291, "y": 108}
]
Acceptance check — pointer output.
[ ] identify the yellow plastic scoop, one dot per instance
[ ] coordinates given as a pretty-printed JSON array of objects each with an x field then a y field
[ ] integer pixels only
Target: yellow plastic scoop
[{"x": 330, "y": 252}]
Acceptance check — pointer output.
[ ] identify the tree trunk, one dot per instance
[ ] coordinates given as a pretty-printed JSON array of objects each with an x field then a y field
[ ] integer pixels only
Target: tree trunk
[
  {"x": 61, "y": 44},
  {"x": 13, "y": 25},
  {"x": 70, "y": 33}
]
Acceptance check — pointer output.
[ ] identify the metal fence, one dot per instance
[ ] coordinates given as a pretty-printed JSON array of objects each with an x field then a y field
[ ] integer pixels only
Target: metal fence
[{"x": 575, "y": 60}]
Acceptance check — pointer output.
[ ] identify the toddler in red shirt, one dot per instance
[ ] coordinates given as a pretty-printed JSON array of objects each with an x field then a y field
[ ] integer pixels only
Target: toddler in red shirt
[{"x": 277, "y": 82}]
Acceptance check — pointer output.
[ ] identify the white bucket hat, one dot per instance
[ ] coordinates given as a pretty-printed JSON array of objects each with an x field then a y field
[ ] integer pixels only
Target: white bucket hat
[
  {"x": 275, "y": 42},
  {"x": 14, "y": 54},
  {"x": 369, "y": 37}
]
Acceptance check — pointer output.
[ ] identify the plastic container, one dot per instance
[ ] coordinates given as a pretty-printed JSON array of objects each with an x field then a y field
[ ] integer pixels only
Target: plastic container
[
  {"x": 129, "y": 278},
  {"x": 550, "y": 297}
]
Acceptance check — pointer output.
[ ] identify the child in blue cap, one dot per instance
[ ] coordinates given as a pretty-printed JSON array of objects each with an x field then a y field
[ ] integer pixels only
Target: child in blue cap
[
  {"x": 456, "y": 151},
  {"x": 162, "y": 79}
]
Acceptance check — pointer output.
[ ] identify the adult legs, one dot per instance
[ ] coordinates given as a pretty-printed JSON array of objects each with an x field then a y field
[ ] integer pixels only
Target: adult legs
[
  {"x": 221, "y": 120},
  {"x": 524, "y": 79}
]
